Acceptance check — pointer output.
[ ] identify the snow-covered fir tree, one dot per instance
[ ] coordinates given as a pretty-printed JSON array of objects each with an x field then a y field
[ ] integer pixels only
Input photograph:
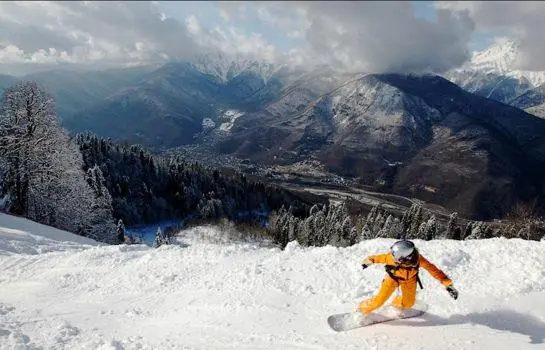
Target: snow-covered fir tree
[
  {"x": 320, "y": 237},
  {"x": 120, "y": 230},
  {"x": 366, "y": 232},
  {"x": 431, "y": 229},
  {"x": 102, "y": 226},
  {"x": 416, "y": 217},
  {"x": 387, "y": 227},
  {"x": 160, "y": 238},
  {"x": 396, "y": 230},
  {"x": 452, "y": 225}
]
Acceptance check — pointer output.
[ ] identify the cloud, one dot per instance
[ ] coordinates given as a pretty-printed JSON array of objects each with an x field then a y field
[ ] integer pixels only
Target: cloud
[
  {"x": 39, "y": 35},
  {"x": 100, "y": 33},
  {"x": 523, "y": 19},
  {"x": 233, "y": 41},
  {"x": 372, "y": 36},
  {"x": 352, "y": 36}
]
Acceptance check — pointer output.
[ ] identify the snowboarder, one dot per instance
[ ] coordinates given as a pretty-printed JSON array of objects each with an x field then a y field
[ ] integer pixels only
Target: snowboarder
[{"x": 402, "y": 264}]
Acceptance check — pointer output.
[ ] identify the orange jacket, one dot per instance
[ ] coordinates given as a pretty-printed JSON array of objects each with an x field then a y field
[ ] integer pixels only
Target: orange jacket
[{"x": 408, "y": 273}]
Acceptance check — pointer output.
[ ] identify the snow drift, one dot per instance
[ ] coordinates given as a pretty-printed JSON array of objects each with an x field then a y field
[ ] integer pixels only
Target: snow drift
[{"x": 234, "y": 295}]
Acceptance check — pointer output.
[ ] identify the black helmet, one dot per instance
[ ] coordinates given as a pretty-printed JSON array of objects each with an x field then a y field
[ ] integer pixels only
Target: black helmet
[{"x": 404, "y": 251}]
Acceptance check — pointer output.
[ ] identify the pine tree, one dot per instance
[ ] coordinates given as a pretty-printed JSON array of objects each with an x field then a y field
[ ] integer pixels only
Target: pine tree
[
  {"x": 332, "y": 225},
  {"x": 406, "y": 222},
  {"x": 321, "y": 235},
  {"x": 451, "y": 226},
  {"x": 488, "y": 232},
  {"x": 366, "y": 233},
  {"x": 372, "y": 214},
  {"x": 293, "y": 225},
  {"x": 386, "y": 229},
  {"x": 101, "y": 223},
  {"x": 477, "y": 231},
  {"x": 431, "y": 228},
  {"x": 305, "y": 231},
  {"x": 421, "y": 233},
  {"x": 379, "y": 223},
  {"x": 370, "y": 222},
  {"x": 340, "y": 226},
  {"x": 353, "y": 236},
  {"x": 120, "y": 231},
  {"x": 469, "y": 229},
  {"x": 160, "y": 238},
  {"x": 314, "y": 209},
  {"x": 345, "y": 238},
  {"x": 416, "y": 221},
  {"x": 397, "y": 229}
]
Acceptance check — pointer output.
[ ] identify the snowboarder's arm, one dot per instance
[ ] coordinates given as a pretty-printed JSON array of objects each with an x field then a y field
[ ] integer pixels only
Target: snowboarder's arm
[
  {"x": 377, "y": 259},
  {"x": 435, "y": 272}
]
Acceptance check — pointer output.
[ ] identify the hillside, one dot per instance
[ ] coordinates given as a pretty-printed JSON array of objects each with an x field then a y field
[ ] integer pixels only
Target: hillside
[
  {"x": 533, "y": 101},
  {"x": 216, "y": 293},
  {"x": 169, "y": 105},
  {"x": 416, "y": 136},
  {"x": 77, "y": 91}
]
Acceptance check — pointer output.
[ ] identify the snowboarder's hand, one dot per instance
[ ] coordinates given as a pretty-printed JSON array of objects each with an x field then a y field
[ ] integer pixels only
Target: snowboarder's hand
[
  {"x": 366, "y": 263},
  {"x": 453, "y": 292}
]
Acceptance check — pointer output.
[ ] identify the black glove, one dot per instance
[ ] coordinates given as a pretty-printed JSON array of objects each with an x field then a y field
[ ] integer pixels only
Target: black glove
[
  {"x": 366, "y": 263},
  {"x": 453, "y": 292}
]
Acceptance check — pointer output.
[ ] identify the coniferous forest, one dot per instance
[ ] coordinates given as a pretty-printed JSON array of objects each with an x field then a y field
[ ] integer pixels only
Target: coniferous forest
[{"x": 146, "y": 188}]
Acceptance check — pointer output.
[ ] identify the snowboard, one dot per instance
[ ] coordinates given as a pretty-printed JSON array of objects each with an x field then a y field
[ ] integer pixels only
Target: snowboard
[{"x": 351, "y": 320}]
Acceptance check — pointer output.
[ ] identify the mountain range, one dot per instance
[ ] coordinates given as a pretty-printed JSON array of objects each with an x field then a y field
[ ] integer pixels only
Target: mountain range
[{"x": 466, "y": 140}]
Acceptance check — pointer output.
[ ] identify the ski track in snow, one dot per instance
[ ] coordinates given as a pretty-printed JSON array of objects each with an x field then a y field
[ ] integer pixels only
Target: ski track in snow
[{"x": 63, "y": 294}]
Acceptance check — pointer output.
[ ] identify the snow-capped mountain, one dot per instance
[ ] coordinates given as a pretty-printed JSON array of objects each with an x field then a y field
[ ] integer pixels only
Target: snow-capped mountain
[
  {"x": 226, "y": 67},
  {"x": 494, "y": 73},
  {"x": 501, "y": 59}
]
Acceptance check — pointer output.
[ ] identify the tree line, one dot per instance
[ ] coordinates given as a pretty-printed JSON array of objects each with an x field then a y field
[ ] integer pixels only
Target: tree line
[{"x": 332, "y": 224}]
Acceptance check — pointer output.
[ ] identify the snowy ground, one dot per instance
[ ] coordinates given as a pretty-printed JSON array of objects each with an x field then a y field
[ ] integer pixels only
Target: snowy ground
[
  {"x": 58, "y": 291},
  {"x": 231, "y": 116}
]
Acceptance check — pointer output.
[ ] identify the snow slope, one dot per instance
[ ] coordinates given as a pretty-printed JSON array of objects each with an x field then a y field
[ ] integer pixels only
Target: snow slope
[
  {"x": 219, "y": 294},
  {"x": 19, "y": 235}
]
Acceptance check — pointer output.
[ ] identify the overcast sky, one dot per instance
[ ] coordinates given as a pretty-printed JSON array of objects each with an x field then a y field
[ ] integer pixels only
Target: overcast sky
[{"x": 355, "y": 36}]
